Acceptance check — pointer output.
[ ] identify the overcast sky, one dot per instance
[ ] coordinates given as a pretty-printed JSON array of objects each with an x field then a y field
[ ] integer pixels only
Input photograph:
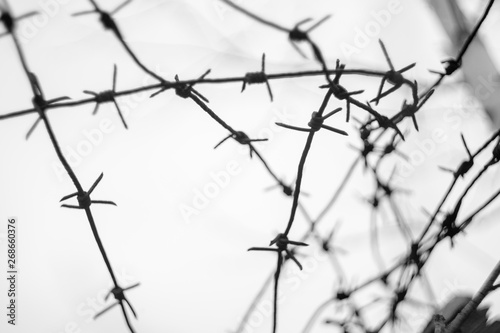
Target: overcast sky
[{"x": 187, "y": 248}]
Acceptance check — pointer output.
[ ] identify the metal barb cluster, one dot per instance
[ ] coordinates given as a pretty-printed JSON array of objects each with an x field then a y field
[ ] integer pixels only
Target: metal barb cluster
[
  {"x": 296, "y": 35},
  {"x": 83, "y": 197},
  {"x": 449, "y": 226},
  {"x": 465, "y": 166},
  {"x": 281, "y": 241},
  {"x": 106, "y": 97},
  {"x": 39, "y": 102},
  {"x": 339, "y": 91},
  {"x": 394, "y": 77},
  {"x": 409, "y": 110},
  {"x": 418, "y": 253},
  {"x": 258, "y": 77},
  {"x": 105, "y": 17},
  {"x": 9, "y": 21},
  {"x": 120, "y": 298},
  {"x": 184, "y": 90},
  {"x": 451, "y": 65},
  {"x": 242, "y": 138},
  {"x": 316, "y": 123}
]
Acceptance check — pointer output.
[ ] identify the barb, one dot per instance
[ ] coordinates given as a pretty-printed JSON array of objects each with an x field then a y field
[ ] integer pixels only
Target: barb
[
  {"x": 9, "y": 21},
  {"x": 40, "y": 103},
  {"x": 316, "y": 123},
  {"x": 243, "y": 139},
  {"x": 465, "y": 166},
  {"x": 107, "y": 96},
  {"x": 258, "y": 77},
  {"x": 392, "y": 76},
  {"x": 121, "y": 300},
  {"x": 184, "y": 90},
  {"x": 83, "y": 197},
  {"x": 409, "y": 110}
]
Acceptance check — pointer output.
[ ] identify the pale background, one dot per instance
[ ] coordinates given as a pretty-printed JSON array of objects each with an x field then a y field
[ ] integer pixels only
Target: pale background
[{"x": 196, "y": 275}]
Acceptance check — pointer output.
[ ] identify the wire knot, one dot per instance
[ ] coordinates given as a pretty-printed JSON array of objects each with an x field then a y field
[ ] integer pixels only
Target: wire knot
[
  {"x": 183, "y": 89},
  {"x": 242, "y": 138},
  {"x": 286, "y": 189},
  {"x": 316, "y": 122},
  {"x": 409, "y": 110},
  {"x": 384, "y": 122},
  {"x": 449, "y": 224},
  {"x": 339, "y": 91},
  {"x": 108, "y": 22},
  {"x": 83, "y": 197},
  {"x": 281, "y": 241},
  {"x": 39, "y": 102},
  {"x": 465, "y": 166},
  {"x": 368, "y": 148},
  {"x": 298, "y": 35},
  {"x": 450, "y": 66},
  {"x": 393, "y": 76},
  {"x": 415, "y": 257},
  {"x": 106, "y": 18},
  {"x": 342, "y": 295},
  {"x": 105, "y": 96},
  {"x": 119, "y": 295},
  {"x": 255, "y": 77},
  {"x": 258, "y": 77},
  {"x": 8, "y": 21}
]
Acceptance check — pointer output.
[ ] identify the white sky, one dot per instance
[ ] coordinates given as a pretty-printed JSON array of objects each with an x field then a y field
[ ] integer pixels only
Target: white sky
[{"x": 198, "y": 276}]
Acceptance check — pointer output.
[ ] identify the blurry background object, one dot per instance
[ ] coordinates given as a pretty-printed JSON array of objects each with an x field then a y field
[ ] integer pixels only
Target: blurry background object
[
  {"x": 476, "y": 323},
  {"x": 479, "y": 70}
]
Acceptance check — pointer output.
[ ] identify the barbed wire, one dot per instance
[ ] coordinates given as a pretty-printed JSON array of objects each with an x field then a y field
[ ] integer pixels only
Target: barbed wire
[{"x": 409, "y": 267}]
